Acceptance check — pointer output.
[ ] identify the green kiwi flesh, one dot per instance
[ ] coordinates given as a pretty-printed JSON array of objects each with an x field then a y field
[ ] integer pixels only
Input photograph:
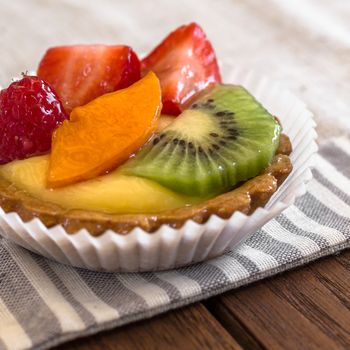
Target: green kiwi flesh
[{"x": 224, "y": 138}]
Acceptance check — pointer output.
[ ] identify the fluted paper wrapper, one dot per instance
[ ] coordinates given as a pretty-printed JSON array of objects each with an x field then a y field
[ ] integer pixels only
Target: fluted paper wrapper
[{"x": 167, "y": 247}]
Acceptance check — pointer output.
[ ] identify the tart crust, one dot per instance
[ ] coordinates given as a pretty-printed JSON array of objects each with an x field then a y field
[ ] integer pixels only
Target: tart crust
[{"x": 246, "y": 198}]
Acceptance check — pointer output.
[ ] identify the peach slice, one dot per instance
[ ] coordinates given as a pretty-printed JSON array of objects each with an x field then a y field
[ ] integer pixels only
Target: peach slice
[{"x": 104, "y": 133}]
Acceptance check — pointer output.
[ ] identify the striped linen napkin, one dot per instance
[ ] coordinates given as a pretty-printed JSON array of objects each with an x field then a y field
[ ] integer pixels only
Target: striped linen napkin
[{"x": 43, "y": 303}]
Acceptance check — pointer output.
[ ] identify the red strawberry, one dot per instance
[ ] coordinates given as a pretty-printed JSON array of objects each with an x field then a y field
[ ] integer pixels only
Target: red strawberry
[
  {"x": 81, "y": 73},
  {"x": 185, "y": 63},
  {"x": 29, "y": 112}
]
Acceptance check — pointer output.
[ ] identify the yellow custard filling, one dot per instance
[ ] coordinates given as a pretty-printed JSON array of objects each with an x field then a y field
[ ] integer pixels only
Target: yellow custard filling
[{"x": 111, "y": 193}]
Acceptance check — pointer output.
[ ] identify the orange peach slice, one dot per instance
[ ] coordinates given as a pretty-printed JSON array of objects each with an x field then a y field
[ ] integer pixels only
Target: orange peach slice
[{"x": 104, "y": 133}]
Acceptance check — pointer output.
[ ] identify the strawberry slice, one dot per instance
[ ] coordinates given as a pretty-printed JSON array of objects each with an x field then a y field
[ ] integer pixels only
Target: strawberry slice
[
  {"x": 81, "y": 73},
  {"x": 185, "y": 63}
]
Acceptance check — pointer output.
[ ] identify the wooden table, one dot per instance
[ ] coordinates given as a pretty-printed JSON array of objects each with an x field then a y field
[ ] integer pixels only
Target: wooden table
[{"x": 308, "y": 308}]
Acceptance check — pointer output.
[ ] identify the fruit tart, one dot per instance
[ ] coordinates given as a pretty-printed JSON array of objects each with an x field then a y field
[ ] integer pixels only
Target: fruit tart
[{"x": 101, "y": 140}]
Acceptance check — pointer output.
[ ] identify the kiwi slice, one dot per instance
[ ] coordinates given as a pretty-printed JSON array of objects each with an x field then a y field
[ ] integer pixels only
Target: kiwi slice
[{"x": 225, "y": 137}]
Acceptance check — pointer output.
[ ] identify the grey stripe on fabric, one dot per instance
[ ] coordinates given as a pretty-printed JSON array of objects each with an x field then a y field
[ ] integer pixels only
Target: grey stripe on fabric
[
  {"x": 289, "y": 226},
  {"x": 108, "y": 288},
  {"x": 85, "y": 315},
  {"x": 281, "y": 251},
  {"x": 249, "y": 265},
  {"x": 171, "y": 290},
  {"x": 24, "y": 302},
  {"x": 2, "y": 276},
  {"x": 331, "y": 186},
  {"x": 337, "y": 157},
  {"x": 320, "y": 213},
  {"x": 280, "y": 244},
  {"x": 209, "y": 277}
]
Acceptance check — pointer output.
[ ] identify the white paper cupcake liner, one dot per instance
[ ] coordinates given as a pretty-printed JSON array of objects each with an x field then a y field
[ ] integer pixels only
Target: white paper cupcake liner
[{"x": 167, "y": 247}]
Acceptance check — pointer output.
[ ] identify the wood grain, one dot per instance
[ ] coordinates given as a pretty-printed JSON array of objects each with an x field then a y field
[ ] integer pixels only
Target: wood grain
[
  {"x": 189, "y": 328},
  {"x": 307, "y": 308}
]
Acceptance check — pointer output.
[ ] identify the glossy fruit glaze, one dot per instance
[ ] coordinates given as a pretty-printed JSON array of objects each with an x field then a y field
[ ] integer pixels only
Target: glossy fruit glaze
[
  {"x": 185, "y": 64},
  {"x": 29, "y": 112},
  {"x": 82, "y": 73}
]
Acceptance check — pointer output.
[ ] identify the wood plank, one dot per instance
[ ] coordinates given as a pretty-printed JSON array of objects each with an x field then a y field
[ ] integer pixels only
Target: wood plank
[
  {"x": 188, "y": 328},
  {"x": 308, "y": 308}
]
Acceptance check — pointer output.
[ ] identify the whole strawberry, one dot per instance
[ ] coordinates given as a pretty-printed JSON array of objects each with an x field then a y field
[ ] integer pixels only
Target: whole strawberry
[{"x": 29, "y": 113}]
